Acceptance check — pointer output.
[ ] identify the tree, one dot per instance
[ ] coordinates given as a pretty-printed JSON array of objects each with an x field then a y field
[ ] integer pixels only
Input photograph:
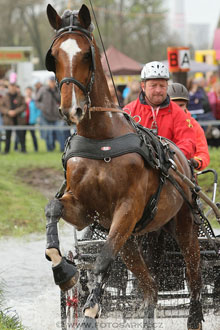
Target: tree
[
  {"x": 21, "y": 22},
  {"x": 135, "y": 27}
]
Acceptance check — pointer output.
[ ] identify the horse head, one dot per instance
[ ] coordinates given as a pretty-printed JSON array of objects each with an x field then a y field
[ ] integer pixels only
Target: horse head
[{"x": 72, "y": 58}]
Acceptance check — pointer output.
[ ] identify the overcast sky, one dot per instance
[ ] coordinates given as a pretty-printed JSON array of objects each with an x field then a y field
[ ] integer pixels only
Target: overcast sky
[{"x": 200, "y": 11}]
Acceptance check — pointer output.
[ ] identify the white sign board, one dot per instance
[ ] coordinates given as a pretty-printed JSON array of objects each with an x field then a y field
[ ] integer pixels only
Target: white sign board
[{"x": 184, "y": 58}]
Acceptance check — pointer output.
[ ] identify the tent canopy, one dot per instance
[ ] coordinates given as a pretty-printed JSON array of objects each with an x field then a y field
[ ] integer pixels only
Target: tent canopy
[{"x": 120, "y": 64}]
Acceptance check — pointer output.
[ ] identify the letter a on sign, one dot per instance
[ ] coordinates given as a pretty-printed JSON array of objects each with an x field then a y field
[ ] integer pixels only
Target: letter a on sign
[{"x": 184, "y": 59}]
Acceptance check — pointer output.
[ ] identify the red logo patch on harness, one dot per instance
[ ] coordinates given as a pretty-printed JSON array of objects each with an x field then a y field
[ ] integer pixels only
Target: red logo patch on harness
[{"x": 105, "y": 148}]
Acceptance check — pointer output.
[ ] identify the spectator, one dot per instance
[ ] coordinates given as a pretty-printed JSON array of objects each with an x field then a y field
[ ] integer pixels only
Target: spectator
[
  {"x": 37, "y": 86},
  {"x": 135, "y": 89},
  {"x": 33, "y": 113},
  {"x": 3, "y": 91},
  {"x": 126, "y": 91},
  {"x": 201, "y": 87},
  {"x": 115, "y": 98},
  {"x": 198, "y": 105},
  {"x": 214, "y": 100},
  {"x": 17, "y": 142},
  {"x": 47, "y": 100},
  {"x": 195, "y": 99},
  {"x": 13, "y": 111}
]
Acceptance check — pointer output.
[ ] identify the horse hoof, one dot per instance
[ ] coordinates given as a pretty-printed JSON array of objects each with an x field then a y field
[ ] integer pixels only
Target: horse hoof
[
  {"x": 69, "y": 284},
  {"x": 93, "y": 300},
  {"x": 65, "y": 274}
]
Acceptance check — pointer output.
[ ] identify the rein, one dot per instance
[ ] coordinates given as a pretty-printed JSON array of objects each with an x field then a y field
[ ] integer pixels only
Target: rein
[
  {"x": 103, "y": 47},
  {"x": 100, "y": 109}
]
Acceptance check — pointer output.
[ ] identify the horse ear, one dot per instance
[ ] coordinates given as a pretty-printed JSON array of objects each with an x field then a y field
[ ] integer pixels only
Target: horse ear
[
  {"x": 54, "y": 19},
  {"x": 84, "y": 16}
]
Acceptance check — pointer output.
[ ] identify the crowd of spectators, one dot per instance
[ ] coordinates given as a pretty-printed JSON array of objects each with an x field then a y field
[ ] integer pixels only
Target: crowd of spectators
[
  {"x": 204, "y": 104},
  {"x": 38, "y": 105}
]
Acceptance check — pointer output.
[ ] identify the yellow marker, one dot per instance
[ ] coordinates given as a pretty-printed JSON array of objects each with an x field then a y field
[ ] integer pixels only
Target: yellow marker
[{"x": 189, "y": 123}]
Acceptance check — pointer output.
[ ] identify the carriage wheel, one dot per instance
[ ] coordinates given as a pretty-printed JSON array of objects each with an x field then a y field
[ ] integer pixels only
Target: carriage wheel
[
  {"x": 69, "y": 305},
  {"x": 69, "y": 309}
]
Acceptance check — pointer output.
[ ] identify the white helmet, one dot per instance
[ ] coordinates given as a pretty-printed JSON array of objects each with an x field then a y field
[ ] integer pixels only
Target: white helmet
[{"x": 155, "y": 70}]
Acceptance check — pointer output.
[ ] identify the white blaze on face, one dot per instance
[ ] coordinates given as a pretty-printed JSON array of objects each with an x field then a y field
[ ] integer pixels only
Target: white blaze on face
[{"x": 71, "y": 48}]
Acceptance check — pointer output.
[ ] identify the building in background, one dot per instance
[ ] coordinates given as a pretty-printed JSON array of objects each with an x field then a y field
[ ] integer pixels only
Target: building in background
[
  {"x": 197, "y": 36},
  {"x": 16, "y": 65},
  {"x": 189, "y": 34},
  {"x": 179, "y": 23}
]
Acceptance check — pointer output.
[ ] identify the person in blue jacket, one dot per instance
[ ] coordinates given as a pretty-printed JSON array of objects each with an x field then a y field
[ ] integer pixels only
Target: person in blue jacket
[{"x": 32, "y": 113}]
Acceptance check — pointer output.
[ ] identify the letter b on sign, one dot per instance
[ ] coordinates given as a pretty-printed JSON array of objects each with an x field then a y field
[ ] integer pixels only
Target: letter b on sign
[{"x": 173, "y": 60}]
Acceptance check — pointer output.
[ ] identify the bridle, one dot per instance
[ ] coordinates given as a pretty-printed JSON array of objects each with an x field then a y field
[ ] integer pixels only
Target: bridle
[{"x": 50, "y": 61}]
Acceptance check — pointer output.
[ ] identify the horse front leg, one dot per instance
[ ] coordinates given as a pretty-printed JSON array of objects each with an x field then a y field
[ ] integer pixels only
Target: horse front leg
[
  {"x": 64, "y": 271},
  {"x": 123, "y": 223},
  {"x": 121, "y": 228},
  {"x": 132, "y": 257},
  {"x": 187, "y": 237}
]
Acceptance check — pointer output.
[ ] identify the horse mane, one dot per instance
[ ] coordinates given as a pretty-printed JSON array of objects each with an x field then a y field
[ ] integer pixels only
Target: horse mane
[{"x": 66, "y": 19}]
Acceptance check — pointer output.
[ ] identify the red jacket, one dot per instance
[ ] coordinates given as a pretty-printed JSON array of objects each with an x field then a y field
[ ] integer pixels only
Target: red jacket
[
  {"x": 202, "y": 151},
  {"x": 172, "y": 123}
]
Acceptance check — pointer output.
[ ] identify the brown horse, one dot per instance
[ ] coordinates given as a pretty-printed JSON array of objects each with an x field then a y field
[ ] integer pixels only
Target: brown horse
[{"x": 116, "y": 190}]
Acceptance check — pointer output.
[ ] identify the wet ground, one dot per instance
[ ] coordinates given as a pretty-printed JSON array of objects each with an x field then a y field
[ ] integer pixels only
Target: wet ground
[
  {"x": 30, "y": 289},
  {"x": 32, "y": 293}
]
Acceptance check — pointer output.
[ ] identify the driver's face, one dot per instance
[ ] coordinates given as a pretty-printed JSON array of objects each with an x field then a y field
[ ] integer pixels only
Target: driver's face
[{"x": 155, "y": 90}]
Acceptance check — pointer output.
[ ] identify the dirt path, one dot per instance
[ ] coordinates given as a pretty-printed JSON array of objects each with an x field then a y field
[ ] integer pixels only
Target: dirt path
[{"x": 46, "y": 180}]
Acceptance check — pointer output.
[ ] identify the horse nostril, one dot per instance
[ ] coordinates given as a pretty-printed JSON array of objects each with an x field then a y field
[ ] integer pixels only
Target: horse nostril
[{"x": 79, "y": 112}]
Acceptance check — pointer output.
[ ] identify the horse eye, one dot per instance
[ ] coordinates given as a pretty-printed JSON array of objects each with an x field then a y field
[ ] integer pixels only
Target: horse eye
[{"x": 87, "y": 56}]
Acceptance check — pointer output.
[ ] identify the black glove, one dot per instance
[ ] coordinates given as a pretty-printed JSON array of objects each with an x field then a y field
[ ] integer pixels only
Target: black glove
[{"x": 194, "y": 163}]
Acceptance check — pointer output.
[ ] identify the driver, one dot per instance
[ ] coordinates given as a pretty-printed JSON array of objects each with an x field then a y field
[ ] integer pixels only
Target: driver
[{"x": 159, "y": 113}]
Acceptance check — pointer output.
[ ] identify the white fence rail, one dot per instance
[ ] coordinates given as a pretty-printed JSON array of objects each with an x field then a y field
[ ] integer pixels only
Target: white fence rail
[{"x": 37, "y": 127}]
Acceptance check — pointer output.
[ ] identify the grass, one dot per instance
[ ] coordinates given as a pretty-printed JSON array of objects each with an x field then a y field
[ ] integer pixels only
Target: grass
[
  {"x": 22, "y": 206},
  {"x": 206, "y": 181},
  {"x": 9, "y": 320}
]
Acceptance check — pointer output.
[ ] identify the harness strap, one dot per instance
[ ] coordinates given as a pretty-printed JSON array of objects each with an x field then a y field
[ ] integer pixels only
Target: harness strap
[
  {"x": 193, "y": 210},
  {"x": 68, "y": 80},
  {"x": 151, "y": 208},
  {"x": 197, "y": 190},
  {"x": 180, "y": 190}
]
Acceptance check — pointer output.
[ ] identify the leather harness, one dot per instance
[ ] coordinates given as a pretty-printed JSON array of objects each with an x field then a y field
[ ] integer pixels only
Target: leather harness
[{"x": 154, "y": 150}]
